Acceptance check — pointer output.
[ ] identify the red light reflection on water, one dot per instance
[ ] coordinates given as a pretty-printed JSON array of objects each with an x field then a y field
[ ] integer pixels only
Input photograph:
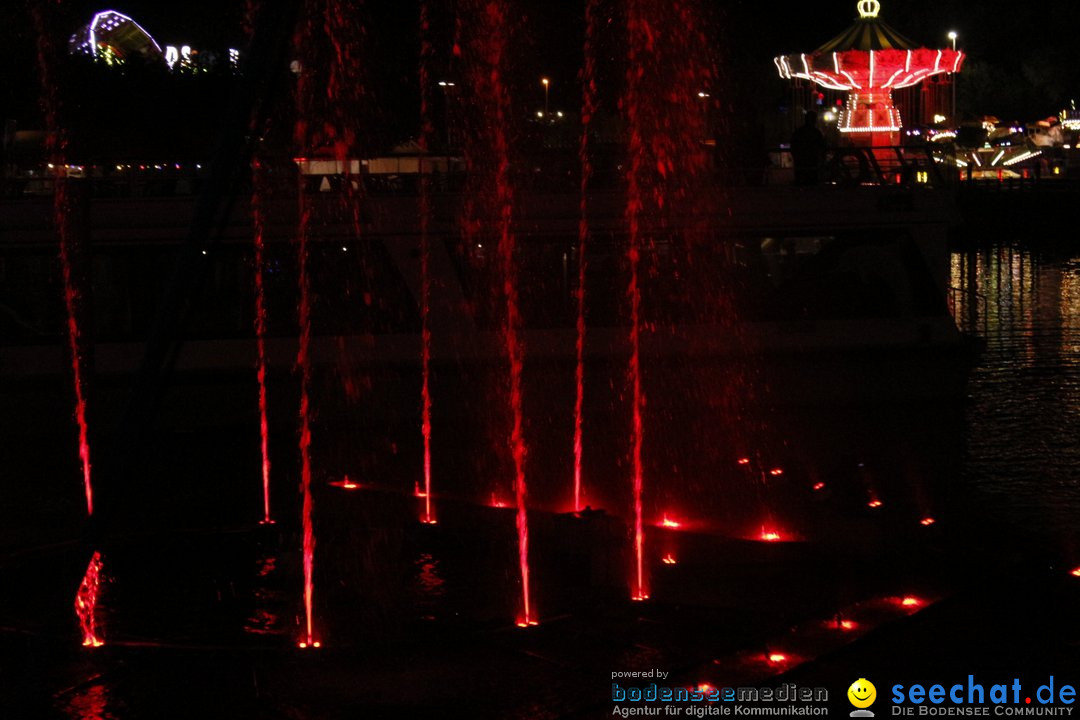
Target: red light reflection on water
[{"x": 89, "y": 703}]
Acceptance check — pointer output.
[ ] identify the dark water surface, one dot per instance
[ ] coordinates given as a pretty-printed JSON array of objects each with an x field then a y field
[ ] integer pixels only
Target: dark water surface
[
  {"x": 202, "y": 608},
  {"x": 1023, "y": 413}
]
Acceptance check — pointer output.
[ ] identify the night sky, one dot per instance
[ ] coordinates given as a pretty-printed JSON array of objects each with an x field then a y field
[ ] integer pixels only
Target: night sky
[{"x": 1021, "y": 65}]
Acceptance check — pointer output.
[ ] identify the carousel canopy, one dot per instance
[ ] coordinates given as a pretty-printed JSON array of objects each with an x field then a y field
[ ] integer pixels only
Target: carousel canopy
[
  {"x": 868, "y": 33},
  {"x": 869, "y": 56}
]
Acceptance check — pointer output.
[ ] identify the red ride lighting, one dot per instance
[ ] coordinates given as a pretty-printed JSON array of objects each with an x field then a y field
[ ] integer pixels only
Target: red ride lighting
[
  {"x": 875, "y": 504},
  {"x": 910, "y": 601},
  {"x": 868, "y": 62},
  {"x": 819, "y": 486},
  {"x": 1076, "y": 572},
  {"x": 777, "y": 658},
  {"x": 669, "y": 523},
  {"x": 669, "y": 559},
  {"x": 927, "y": 521},
  {"x": 776, "y": 472},
  {"x": 744, "y": 461}
]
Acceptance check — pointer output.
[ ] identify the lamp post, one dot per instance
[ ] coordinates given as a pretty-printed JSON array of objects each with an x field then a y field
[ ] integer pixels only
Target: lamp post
[
  {"x": 547, "y": 86},
  {"x": 952, "y": 37}
]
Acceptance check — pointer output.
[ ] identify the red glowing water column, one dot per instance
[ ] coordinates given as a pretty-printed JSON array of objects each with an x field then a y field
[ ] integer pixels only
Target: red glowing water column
[
  {"x": 427, "y": 130},
  {"x": 258, "y": 219},
  {"x": 303, "y": 363},
  {"x": 498, "y": 15},
  {"x": 588, "y": 109},
  {"x": 86, "y": 600},
  {"x": 86, "y": 597},
  {"x": 302, "y": 138},
  {"x": 259, "y": 197},
  {"x": 55, "y": 150},
  {"x": 641, "y": 40},
  {"x": 666, "y": 71},
  {"x": 488, "y": 33}
]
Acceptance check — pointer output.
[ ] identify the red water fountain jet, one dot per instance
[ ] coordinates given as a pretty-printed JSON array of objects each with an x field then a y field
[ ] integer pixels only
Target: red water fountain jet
[
  {"x": 55, "y": 145},
  {"x": 426, "y": 132},
  {"x": 258, "y": 219},
  {"x": 55, "y": 149},
  {"x": 304, "y": 102},
  {"x": 86, "y": 600},
  {"x": 661, "y": 111},
  {"x": 490, "y": 43},
  {"x": 303, "y": 363},
  {"x": 588, "y": 109},
  {"x": 259, "y": 198},
  {"x": 641, "y": 41}
]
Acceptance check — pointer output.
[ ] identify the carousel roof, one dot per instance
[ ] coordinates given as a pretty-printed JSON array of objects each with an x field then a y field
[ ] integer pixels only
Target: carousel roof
[
  {"x": 869, "y": 55},
  {"x": 868, "y": 33}
]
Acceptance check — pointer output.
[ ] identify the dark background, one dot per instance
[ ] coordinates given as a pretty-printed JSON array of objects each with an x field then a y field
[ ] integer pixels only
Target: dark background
[{"x": 1021, "y": 63}]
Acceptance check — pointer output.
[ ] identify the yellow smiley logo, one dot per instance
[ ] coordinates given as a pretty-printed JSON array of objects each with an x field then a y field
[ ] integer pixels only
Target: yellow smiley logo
[{"x": 862, "y": 693}]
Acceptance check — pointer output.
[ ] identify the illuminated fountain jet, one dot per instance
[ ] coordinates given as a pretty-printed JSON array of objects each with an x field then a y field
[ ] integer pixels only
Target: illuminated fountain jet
[{"x": 868, "y": 61}]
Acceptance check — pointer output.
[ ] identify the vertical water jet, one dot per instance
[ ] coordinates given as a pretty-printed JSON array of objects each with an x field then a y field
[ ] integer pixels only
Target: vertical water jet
[
  {"x": 426, "y": 133},
  {"x": 588, "y": 109},
  {"x": 55, "y": 147}
]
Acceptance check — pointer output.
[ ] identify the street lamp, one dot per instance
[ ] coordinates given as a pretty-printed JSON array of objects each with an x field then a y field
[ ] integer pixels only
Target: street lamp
[
  {"x": 952, "y": 37},
  {"x": 547, "y": 86}
]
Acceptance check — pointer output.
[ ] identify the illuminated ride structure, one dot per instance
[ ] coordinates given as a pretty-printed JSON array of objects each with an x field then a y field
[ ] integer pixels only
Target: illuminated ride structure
[
  {"x": 114, "y": 37},
  {"x": 868, "y": 61}
]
